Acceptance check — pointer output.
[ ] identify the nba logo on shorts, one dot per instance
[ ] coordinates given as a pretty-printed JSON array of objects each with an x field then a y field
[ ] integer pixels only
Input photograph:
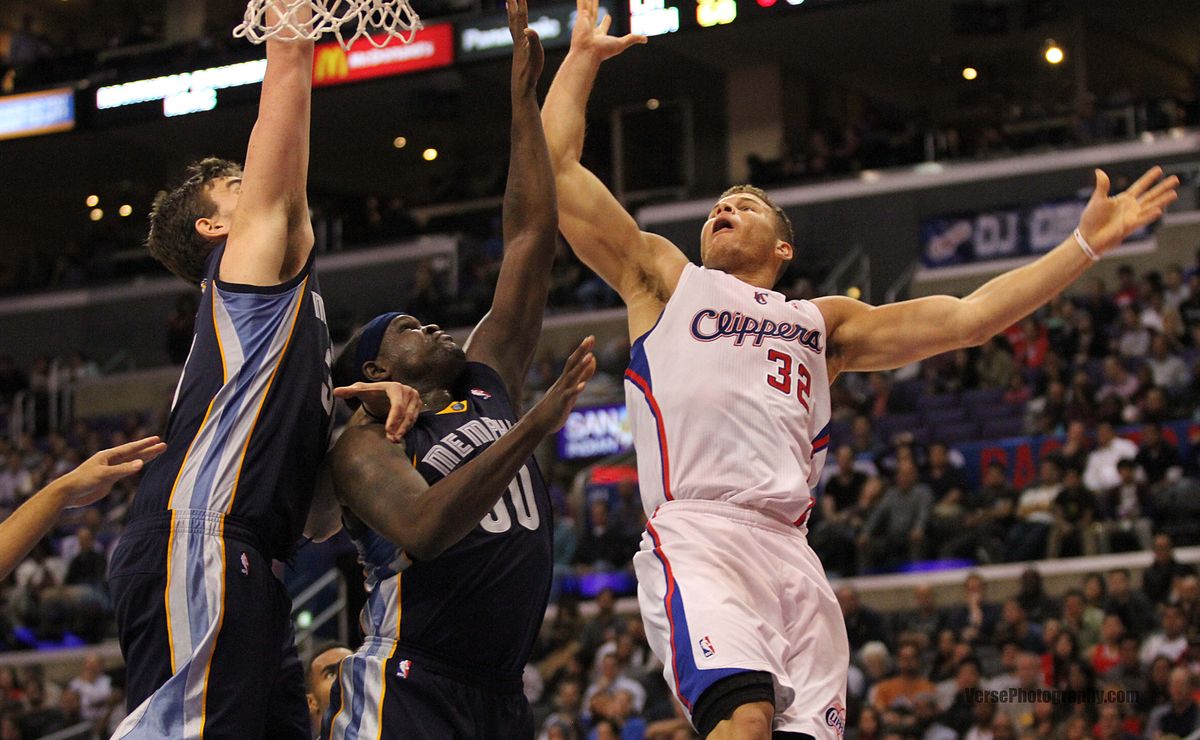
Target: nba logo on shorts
[
  {"x": 403, "y": 669},
  {"x": 835, "y": 717},
  {"x": 245, "y": 565},
  {"x": 481, "y": 393},
  {"x": 706, "y": 647}
]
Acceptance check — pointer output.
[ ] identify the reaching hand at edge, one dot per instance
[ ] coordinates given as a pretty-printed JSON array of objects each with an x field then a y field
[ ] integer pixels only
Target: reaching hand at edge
[
  {"x": 1107, "y": 221},
  {"x": 552, "y": 410},
  {"x": 96, "y": 476},
  {"x": 590, "y": 35},
  {"x": 528, "y": 55},
  {"x": 396, "y": 404},
  {"x": 86, "y": 484}
]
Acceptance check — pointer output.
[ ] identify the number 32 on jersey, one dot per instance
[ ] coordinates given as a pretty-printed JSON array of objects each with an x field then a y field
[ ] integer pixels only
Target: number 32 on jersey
[{"x": 789, "y": 372}]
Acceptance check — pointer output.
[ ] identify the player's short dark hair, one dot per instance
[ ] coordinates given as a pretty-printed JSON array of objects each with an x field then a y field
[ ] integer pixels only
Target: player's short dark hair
[
  {"x": 783, "y": 224},
  {"x": 173, "y": 238}
]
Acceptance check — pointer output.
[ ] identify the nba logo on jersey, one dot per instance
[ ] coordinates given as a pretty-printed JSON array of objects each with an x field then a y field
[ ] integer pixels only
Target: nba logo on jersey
[
  {"x": 481, "y": 393},
  {"x": 706, "y": 647},
  {"x": 245, "y": 565},
  {"x": 403, "y": 669}
]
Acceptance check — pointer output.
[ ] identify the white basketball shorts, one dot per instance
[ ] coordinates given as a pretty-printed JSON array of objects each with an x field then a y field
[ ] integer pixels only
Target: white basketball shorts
[{"x": 724, "y": 589}]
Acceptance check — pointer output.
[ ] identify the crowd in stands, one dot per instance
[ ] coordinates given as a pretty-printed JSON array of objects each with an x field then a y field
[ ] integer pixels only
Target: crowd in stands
[
  {"x": 873, "y": 141},
  {"x": 1084, "y": 367},
  {"x": 89, "y": 705},
  {"x": 33, "y": 55},
  {"x": 1125, "y": 661},
  {"x": 1079, "y": 369},
  {"x": 58, "y": 596}
]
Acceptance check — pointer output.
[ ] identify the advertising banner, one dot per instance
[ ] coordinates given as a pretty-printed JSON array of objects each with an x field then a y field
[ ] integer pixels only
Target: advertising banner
[
  {"x": 595, "y": 432},
  {"x": 36, "y": 113}
]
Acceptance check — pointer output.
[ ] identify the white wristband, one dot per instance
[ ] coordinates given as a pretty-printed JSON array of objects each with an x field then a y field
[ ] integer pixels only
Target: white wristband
[{"x": 1087, "y": 248}]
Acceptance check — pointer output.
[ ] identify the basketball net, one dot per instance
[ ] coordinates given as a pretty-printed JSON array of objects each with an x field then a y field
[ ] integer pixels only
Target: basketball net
[{"x": 348, "y": 20}]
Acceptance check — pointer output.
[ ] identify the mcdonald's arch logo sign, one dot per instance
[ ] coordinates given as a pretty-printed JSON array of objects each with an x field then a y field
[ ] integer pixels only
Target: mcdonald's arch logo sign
[{"x": 431, "y": 48}]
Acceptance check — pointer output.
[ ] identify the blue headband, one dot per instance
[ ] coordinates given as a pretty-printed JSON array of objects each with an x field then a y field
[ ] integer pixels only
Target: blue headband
[{"x": 370, "y": 339}]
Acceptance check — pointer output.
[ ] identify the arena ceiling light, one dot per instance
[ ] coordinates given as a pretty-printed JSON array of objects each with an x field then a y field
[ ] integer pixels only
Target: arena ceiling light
[
  {"x": 1052, "y": 52},
  {"x": 970, "y": 73}
]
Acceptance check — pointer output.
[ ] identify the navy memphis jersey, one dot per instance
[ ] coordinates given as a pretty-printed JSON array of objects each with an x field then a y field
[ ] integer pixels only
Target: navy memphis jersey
[
  {"x": 250, "y": 421},
  {"x": 479, "y": 604}
]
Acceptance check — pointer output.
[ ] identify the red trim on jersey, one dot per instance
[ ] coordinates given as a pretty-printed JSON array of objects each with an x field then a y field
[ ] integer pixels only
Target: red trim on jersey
[
  {"x": 804, "y": 517},
  {"x": 820, "y": 443},
  {"x": 662, "y": 557},
  {"x": 644, "y": 387}
]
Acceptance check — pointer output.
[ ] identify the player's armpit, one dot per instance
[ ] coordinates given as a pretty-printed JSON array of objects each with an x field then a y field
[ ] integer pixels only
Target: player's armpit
[
  {"x": 607, "y": 239},
  {"x": 325, "y": 514},
  {"x": 373, "y": 478}
]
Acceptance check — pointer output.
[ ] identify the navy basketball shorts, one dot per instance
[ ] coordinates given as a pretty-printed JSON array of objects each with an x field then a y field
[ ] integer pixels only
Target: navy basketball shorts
[
  {"x": 206, "y": 631},
  {"x": 390, "y": 692}
]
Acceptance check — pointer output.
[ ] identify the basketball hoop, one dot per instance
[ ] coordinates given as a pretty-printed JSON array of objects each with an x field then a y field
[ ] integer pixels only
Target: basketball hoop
[{"x": 349, "y": 20}]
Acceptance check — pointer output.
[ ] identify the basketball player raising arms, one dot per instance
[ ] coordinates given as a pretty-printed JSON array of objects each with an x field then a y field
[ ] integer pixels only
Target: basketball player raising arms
[
  {"x": 728, "y": 395},
  {"x": 204, "y": 625},
  {"x": 454, "y": 526}
]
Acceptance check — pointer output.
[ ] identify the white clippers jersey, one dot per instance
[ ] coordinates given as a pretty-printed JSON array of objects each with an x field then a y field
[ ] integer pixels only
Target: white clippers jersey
[{"x": 728, "y": 398}]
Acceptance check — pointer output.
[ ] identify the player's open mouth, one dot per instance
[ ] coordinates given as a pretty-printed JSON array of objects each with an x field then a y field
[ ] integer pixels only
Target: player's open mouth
[{"x": 722, "y": 224}]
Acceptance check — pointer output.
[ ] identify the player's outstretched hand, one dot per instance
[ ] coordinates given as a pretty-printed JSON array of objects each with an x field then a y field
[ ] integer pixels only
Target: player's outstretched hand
[
  {"x": 590, "y": 35},
  {"x": 528, "y": 55},
  {"x": 393, "y": 402},
  {"x": 552, "y": 410},
  {"x": 1107, "y": 221},
  {"x": 95, "y": 477}
]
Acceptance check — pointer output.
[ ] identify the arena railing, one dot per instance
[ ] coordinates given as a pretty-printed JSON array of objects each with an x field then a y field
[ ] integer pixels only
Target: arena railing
[
  {"x": 335, "y": 610},
  {"x": 901, "y": 284},
  {"x": 855, "y": 258},
  {"x": 355, "y": 284},
  {"x": 21, "y": 419},
  {"x": 1165, "y": 147}
]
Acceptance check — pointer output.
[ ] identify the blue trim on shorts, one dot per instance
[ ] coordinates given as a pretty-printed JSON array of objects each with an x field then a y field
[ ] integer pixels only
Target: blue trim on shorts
[{"x": 691, "y": 681}]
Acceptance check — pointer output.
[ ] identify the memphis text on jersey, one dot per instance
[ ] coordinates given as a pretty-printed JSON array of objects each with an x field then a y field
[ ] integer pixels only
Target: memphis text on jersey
[
  {"x": 709, "y": 325},
  {"x": 458, "y": 445}
]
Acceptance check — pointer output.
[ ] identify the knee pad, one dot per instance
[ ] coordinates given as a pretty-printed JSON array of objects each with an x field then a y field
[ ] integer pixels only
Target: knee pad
[{"x": 718, "y": 701}]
